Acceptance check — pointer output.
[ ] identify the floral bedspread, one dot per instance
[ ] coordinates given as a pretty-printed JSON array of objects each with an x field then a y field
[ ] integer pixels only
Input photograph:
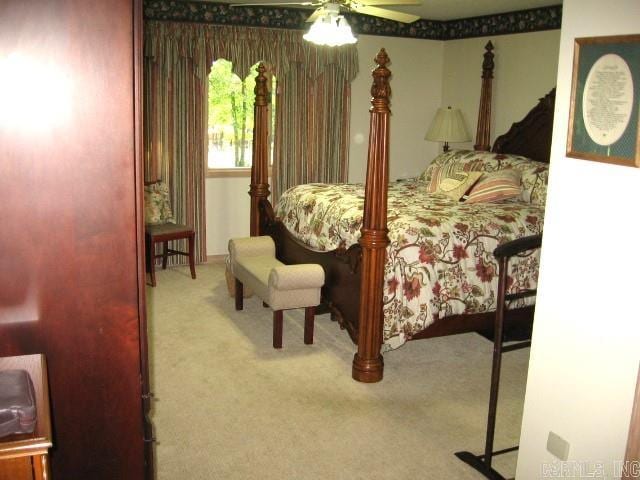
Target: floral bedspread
[{"x": 440, "y": 260}]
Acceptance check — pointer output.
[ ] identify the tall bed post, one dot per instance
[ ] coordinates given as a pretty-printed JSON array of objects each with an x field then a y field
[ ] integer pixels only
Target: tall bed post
[
  {"x": 259, "y": 187},
  {"x": 367, "y": 362},
  {"x": 483, "y": 132}
]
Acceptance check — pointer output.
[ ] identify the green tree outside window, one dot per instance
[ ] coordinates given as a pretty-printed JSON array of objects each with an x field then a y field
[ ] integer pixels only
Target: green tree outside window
[{"x": 231, "y": 102}]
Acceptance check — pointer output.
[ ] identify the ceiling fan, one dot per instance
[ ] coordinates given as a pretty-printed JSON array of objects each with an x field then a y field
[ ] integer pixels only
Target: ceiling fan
[{"x": 367, "y": 7}]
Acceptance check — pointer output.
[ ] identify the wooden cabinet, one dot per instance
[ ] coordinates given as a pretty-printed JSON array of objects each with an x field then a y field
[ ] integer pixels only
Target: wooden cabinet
[
  {"x": 72, "y": 269},
  {"x": 25, "y": 456}
]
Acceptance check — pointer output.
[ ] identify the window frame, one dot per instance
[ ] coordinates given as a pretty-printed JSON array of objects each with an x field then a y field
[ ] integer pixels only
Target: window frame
[{"x": 237, "y": 172}]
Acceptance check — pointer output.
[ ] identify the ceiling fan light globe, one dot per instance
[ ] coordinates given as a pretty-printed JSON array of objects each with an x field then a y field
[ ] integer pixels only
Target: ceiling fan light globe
[
  {"x": 344, "y": 32},
  {"x": 330, "y": 30}
]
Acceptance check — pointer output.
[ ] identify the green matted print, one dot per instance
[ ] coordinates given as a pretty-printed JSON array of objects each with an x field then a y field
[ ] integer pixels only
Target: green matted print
[{"x": 605, "y": 100}]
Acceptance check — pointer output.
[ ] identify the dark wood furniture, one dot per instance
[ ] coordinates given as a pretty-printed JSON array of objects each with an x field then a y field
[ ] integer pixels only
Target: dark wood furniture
[
  {"x": 165, "y": 233},
  {"x": 483, "y": 463},
  {"x": 26, "y": 456},
  {"x": 72, "y": 272},
  {"x": 357, "y": 272},
  {"x": 483, "y": 129}
]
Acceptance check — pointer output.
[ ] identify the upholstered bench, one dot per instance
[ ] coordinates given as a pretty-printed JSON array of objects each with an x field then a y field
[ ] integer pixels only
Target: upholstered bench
[{"x": 280, "y": 286}]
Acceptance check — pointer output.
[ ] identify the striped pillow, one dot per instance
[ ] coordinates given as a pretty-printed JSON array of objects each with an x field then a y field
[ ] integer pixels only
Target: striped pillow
[{"x": 496, "y": 186}]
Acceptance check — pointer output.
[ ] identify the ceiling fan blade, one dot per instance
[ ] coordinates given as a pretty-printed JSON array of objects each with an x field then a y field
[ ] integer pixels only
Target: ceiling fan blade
[
  {"x": 384, "y": 13},
  {"x": 390, "y": 2},
  {"x": 271, "y": 3}
]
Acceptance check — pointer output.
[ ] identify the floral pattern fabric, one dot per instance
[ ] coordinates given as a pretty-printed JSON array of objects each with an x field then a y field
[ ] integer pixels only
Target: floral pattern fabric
[
  {"x": 440, "y": 258},
  {"x": 157, "y": 207}
]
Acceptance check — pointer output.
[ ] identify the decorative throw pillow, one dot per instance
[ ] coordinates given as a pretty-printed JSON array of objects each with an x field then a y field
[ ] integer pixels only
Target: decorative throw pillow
[
  {"x": 157, "y": 207},
  {"x": 534, "y": 183},
  {"x": 456, "y": 184},
  {"x": 496, "y": 186},
  {"x": 436, "y": 174},
  {"x": 152, "y": 203},
  {"x": 444, "y": 158}
]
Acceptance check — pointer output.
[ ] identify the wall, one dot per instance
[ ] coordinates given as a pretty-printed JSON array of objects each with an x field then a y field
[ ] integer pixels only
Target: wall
[
  {"x": 416, "y": 83},
  {"x": 525, "y": 70},
  {"x": 228, "y": 205},
  {"x": 584, "y": 358}
]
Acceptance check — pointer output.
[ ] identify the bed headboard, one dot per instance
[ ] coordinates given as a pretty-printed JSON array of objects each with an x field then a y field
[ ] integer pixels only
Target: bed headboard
[{"x": 531, "y": 137}]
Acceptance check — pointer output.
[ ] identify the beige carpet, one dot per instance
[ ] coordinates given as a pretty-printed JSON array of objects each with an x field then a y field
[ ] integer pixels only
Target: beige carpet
[{"x": 229, "y": 406}]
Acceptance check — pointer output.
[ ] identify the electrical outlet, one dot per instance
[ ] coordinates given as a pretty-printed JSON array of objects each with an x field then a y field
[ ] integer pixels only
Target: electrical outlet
[{"x": 558, "y": 446}]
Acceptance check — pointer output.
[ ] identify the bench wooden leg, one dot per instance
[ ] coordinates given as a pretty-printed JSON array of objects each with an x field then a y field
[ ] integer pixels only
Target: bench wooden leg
[
  {"x": 309, "y": 315},
  {"x": 239, "y": 294},
  {"x": 277, "y": 329},
  {"x": 192, "y": 263}
]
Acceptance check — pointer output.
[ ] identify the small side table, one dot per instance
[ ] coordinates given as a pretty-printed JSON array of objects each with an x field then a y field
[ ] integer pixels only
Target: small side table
[{"x": 25, "y": 456}]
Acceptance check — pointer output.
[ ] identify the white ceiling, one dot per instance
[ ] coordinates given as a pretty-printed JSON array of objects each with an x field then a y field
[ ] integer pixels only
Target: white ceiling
[{"x": 450, "y": 9}]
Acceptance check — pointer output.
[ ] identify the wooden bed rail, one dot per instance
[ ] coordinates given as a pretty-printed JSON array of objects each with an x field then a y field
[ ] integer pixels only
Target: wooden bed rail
[
  {"x": 367, "y": 362},
  {"x": 259, "y": 188},
  {"x": 483, "y": 131}
]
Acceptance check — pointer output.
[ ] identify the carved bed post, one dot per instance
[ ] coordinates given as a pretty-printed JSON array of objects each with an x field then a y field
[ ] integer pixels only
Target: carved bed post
[
  {"x": 367, "y": 362},
  {"x": 259, "y": 187},
  {"x": 483, "y": 132}
]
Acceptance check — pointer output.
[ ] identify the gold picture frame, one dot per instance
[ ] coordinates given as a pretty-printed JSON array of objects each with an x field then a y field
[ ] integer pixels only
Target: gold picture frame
[{"x": 604, "y": 123}]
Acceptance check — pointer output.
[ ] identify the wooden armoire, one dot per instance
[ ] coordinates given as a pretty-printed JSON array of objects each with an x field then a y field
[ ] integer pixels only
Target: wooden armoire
[{"x": 71, "y": 237}]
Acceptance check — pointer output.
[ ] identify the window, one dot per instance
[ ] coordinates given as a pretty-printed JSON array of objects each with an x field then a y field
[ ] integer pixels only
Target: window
[{"x": 230, "y": 130}]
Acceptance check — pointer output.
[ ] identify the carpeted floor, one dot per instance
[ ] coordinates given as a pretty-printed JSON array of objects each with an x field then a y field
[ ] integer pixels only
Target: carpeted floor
[{"x": 229, "y": 406}]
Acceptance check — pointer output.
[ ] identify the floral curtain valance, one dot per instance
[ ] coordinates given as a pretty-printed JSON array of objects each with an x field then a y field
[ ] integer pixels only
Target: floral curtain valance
[{"x": 166, "y": 42}]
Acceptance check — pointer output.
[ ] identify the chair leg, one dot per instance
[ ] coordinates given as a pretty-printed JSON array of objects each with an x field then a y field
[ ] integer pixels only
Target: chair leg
[
  {"x": 192, "y": 263},
  {"x": 309, "y": 315},
  {"x": 152, "y": 262},
  {"x": 277, "y": 329},
  {"x": 147, "y": 252},
  {"x": 165, "y": 254},
  {"x": 239, "y": 294}
]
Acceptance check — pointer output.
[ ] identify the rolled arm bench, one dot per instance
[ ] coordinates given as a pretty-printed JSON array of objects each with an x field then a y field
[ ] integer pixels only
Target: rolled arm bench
[{"x": 280, "y": 286}]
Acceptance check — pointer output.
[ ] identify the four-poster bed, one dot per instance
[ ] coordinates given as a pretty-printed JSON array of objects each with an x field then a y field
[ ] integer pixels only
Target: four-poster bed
[{"x": 355, "y": 284}]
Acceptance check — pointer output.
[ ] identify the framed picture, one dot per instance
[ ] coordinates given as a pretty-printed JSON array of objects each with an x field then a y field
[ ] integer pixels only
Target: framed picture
[{"x": 605, "y": 97}]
